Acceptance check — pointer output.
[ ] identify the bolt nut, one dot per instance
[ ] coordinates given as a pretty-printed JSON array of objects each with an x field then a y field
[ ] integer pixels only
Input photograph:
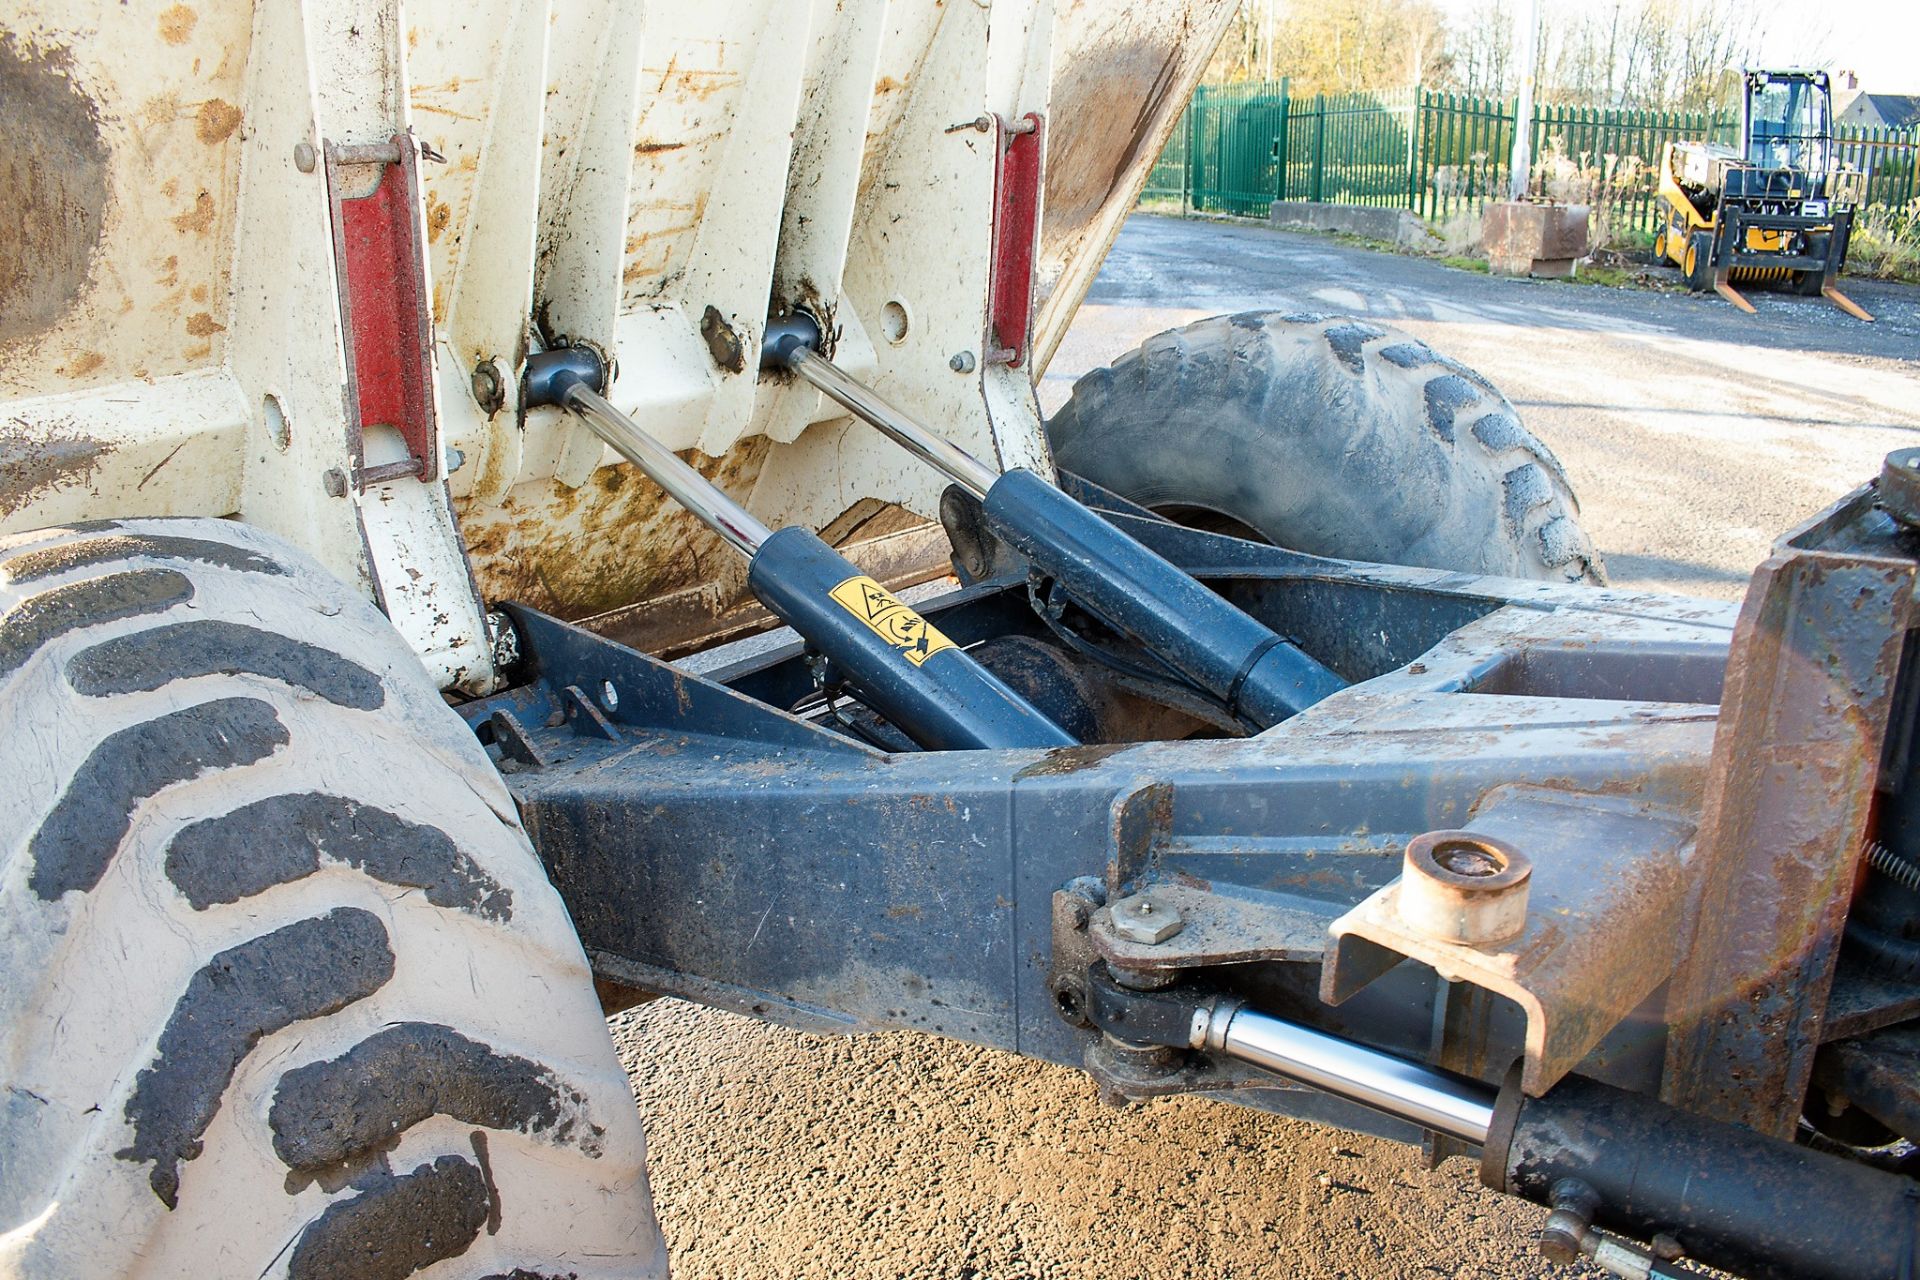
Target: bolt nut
[
  {"x": 1457, "y": 886},
  {"x": 334, "y": 481},
  {"x": 1145, "y": 919},
  {"x": 489, "y": 387},
  {"x": 304, "y": 158},
  {"x": 963, "y": 362}
]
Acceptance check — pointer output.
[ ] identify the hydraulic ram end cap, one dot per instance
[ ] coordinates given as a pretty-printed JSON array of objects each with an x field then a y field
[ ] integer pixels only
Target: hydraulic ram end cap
[
  {"x": 1760, "y": 1207},
  {"x": 784, "y": 335},
  {"x": 550, "y": 373}
]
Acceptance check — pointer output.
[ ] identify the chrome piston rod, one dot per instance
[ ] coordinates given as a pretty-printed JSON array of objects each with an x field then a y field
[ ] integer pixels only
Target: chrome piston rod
[
  {"x": 683, "y": 484},
  {"x": 1427, "y": 1096},
  {"x": 955, "y": 463}
]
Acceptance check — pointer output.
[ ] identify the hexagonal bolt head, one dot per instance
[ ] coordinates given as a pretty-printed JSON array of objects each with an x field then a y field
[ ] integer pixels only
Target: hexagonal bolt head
[{"x": 1144, "y": 918}]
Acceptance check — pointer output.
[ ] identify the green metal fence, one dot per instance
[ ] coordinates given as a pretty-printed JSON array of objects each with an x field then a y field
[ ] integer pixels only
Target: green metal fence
[
  {"x": 1242, "y": 146},
  {"x": 1610, "y": 159},
  {"x": 1347, "y": 149},
  {"x": 1889, "y": 160}
]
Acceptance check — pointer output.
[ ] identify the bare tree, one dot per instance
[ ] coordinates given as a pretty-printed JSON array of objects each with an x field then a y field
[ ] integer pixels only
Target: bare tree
[
  {"x": 1335, "y": 46},
  {"x": 1632, "y": 54},
  {"x": 1639, "y": 54}
]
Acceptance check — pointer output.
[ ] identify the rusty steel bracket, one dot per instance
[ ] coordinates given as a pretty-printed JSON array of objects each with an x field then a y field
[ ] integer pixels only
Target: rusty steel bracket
[
  {"x": 1809, "y": 692},
  {"x": 382, "y": 285},
  {"x": 1606, "y": 898},
  {"x": 1019, "y": 147}
]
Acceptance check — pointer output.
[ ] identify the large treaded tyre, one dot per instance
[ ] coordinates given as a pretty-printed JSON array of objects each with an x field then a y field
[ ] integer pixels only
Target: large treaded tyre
[
  {"x": 1332, "y": 436},
  {"x": 1696, "y": 267},
  {"x": 286, "y": 991}
]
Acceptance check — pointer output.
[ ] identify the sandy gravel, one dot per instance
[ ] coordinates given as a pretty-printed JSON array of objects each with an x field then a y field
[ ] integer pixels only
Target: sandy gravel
[{"x": 1693, "y": 435}]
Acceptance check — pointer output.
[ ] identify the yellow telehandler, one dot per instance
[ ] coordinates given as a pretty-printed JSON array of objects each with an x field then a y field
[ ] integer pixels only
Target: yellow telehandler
[{"x": 1776, "y": 208}]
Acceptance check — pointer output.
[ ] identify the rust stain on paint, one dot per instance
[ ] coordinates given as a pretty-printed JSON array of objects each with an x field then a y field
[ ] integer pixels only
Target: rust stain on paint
[
  {"x": 197, "y": 220},
  {"x": 177, "y": 23},
  {"x": 216, "y": 121}
]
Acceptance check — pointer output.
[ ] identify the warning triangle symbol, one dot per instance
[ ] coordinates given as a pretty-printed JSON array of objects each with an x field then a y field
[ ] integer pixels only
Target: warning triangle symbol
[{"x": 877, "y": 601}]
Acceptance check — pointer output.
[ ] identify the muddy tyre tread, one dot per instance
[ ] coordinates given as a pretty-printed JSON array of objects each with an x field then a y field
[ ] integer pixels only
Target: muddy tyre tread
[
  {"x": 295, "y": 998},
  {"x": 1330, "y": 435}
]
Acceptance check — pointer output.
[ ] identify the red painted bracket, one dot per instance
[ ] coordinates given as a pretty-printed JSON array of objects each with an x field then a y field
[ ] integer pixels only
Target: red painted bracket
[
  {"x": 1018, "y": 151},
  {"x": 382, "y": 284}
]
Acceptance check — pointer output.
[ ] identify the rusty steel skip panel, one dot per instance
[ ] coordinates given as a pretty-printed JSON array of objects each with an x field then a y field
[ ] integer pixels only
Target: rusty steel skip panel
[{"x": 1802, "y": 724}]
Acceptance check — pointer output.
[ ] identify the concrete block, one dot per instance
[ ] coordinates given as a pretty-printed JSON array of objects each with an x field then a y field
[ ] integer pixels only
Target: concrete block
[
  {"x": 1526, "y": 239},
  {"x": 1399, "y": 226}
]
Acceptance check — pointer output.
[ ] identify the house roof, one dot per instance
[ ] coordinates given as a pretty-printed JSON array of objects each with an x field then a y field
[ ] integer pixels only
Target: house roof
[{"x": 1883, "y": 110}]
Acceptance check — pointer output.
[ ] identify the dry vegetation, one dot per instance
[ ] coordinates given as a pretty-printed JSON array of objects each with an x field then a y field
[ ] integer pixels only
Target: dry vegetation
[{"x": 1886, "y": 244}]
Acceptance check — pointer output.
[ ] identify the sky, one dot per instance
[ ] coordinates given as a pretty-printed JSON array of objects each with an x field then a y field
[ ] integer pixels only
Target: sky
[{"x": 1879, "y": 39}]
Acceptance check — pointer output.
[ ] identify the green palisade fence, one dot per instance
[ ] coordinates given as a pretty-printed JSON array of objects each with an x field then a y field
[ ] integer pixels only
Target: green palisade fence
[{"x": 1240, "y": 147}]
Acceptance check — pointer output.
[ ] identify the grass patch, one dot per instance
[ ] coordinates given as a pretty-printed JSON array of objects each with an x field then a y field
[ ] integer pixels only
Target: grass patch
[
  {"x": 1631, "y": 242},
  {"x": 1612, "y": 277},
  {"x": 1461, "y": 262},
  {"x": 1368, "y": 242}
]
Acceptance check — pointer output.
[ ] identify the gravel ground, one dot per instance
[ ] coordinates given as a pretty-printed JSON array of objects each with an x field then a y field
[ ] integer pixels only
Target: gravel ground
[{"x": 1694, "y": 435}]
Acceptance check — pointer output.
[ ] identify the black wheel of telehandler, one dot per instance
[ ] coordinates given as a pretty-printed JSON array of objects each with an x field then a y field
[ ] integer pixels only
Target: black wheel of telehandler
[
  {"x": 1332, "y": 436},
  {"x": 1809, "y": 283},
  {"x": 1697, "y": 263},
  {"x": 286, "y": 990}
]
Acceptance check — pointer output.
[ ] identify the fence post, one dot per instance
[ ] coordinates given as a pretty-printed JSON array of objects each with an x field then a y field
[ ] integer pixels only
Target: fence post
[
  {"x": 1413, "y": 149},
  {"x": 1280, "y": 143},
  {"x": 1193, "y": 150},
  {"x": 1319, "y": 147},
  {"x": 1913, "y": 165},
  {"x": 1190, "y": 176}
]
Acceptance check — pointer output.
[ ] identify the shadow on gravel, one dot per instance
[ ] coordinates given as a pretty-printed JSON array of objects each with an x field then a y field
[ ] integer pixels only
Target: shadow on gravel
[
  {"x": 1692, "y": 411},
  {"x": 1666, "y": 570}
]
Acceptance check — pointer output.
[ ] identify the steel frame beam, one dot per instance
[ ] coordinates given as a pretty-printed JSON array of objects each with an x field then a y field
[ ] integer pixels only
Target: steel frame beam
[{"x": 712, "y": 846}]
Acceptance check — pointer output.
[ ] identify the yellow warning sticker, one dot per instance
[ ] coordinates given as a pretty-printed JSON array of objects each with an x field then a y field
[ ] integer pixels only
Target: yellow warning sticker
[{"x": 915, "y": 637}]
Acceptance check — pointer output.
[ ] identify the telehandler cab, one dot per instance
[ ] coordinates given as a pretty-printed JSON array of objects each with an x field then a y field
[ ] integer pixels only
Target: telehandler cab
[{"x": 402, "y": 409}]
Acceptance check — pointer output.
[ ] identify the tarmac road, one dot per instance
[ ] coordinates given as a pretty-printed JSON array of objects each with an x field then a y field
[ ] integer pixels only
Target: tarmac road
[{"x": 1694, "y": 435}]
